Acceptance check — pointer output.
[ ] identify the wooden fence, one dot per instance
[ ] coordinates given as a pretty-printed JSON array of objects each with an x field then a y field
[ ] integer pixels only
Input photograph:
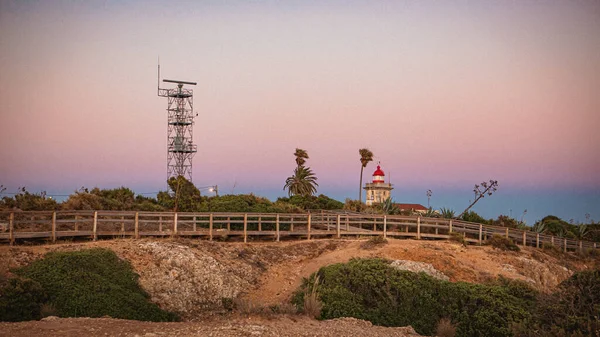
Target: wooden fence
[{"x": 52, "y": 226}]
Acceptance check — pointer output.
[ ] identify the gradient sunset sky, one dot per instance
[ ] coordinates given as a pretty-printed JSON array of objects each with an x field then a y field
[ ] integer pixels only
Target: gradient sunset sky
[{"x": 447, "y": 94}]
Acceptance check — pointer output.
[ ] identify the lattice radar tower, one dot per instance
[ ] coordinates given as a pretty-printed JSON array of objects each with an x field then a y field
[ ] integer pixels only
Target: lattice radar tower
[{"x": 180, "y": 128}]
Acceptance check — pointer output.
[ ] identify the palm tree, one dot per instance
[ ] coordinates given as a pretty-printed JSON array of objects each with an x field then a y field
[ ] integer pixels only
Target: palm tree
[
  {"x": 365, "y": 157},
  {"x": 301, "y": 156},
  {"x": 303, "y": 182}
]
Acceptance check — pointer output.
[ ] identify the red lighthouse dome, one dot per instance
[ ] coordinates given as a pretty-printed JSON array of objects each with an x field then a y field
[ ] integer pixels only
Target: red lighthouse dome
[{"x": 378, "y": 175}]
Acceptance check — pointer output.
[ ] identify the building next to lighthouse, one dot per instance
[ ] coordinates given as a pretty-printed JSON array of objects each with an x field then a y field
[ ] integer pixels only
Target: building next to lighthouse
[{"x": 378, "y": 191}]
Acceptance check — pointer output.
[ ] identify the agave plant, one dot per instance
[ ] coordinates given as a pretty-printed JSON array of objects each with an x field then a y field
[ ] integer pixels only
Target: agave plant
[
  {"x": 388, "y": 206},
  {"x": 539, "y": 227},
  {"x": 561, "y": 232},
  {"x": 431, "y": 213},
  {"x": 582, "y": 231},
  {"x": 447, "y": 213}
]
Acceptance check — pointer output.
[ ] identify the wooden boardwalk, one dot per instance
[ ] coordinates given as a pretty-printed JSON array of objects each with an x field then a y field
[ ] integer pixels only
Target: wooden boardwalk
[{"x": 50, "y": 226}]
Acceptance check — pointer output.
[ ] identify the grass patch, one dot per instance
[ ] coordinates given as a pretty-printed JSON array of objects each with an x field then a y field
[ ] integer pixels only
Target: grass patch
[
  {"x": 373, "y": 242},
  {"x": 92, "y": 283},
  {"x": 459, "y": 238}
]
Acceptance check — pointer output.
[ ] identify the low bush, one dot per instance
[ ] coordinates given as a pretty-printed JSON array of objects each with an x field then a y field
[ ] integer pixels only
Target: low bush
[
  {"x": 372, "y": 290},
  {"x": 503, "y": 243},
  {"x": 21, "y": 299},
  {"x": 92, "y": 283}
]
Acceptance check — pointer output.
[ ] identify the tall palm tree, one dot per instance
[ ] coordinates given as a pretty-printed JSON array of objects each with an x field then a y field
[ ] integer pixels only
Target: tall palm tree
[
  {"x": 365, "y": 157},
  {"x": 303, "y": 182},
  {"x": 301, "y": 156}
]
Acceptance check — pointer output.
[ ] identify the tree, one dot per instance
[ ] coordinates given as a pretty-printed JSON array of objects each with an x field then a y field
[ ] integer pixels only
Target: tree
[
  {"x": 301, "y": 156},
  {"x": 187, "y": 196},
  {"x": 366, "y": 156},
  {"x": 480, "y": 192},
  {"x": 303, "y": 182}
]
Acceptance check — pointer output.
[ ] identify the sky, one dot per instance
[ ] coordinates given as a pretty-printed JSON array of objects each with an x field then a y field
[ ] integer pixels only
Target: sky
[{"x": 446, "y": 94}]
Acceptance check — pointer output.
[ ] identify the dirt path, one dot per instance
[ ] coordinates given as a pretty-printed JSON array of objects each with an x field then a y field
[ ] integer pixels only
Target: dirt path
[{"x": 224, "y": 326}]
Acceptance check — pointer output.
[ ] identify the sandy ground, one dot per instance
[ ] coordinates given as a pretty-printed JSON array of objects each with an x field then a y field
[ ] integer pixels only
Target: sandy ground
[{"x": 231, "y": 326}]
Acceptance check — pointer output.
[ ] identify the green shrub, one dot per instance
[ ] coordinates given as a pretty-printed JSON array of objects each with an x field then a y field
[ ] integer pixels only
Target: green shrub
[
  {"x": 93, "y": 283},
  {"x": 372, "y": 290},
  {"x": 503, "y": 243},
  {"x": 21, "y": 300}
]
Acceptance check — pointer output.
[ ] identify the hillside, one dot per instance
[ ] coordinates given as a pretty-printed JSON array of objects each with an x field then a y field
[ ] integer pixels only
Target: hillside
[{"x": 197, "y": 278}]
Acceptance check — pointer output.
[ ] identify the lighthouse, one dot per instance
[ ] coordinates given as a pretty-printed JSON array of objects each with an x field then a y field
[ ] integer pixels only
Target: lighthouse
[{"x": 378, "y": 190}]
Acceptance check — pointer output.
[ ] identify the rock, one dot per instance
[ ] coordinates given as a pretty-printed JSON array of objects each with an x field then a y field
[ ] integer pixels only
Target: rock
[
  {"x": 418, "y": 267},
  {"x": 50, "y": 318}
]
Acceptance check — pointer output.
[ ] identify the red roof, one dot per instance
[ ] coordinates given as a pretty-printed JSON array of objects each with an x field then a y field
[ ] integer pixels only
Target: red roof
[
  {"x": 415, "y": 207},
  {"x": 378, "y": 172}
]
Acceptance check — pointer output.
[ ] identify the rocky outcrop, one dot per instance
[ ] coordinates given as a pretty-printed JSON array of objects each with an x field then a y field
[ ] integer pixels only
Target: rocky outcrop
[{"x": 418, "y": 267}]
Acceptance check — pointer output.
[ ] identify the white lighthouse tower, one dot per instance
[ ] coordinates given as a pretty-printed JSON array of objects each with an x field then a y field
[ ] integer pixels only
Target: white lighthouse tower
[{"x": 378, "y": 190}]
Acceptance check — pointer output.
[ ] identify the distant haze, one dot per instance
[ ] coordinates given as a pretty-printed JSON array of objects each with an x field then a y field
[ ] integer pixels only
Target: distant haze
[{"x": 447, "y": 94}]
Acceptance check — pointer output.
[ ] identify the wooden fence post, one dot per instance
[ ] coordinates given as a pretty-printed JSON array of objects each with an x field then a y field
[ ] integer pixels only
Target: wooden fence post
[
  {"x": 136, "y": 226},
  {"x": 507, "y": 233},
  {"x": 450, "y": 227},
  {"x": 419, "y": 227},
  {"x": 524, "y": 238},
  {"x": 480, "y": 234},
  {"x": 552, "y": 237},
  {"x": 291, "y": 224},
  {"x": 347, "y": 223},
  {"x": 53, "y": 226},
  {"x": 245, "y": 227},
  {"x": 210, "y": 227},
  {"x": 175, "y": 224},
  {"x": 122, "y": 224},
  {"x": 11, "y": 224},
  {"x": 194, "y": 226},
  {"x": 277, "y": 226},
  {"x": 374, "y": 224},
  {"x": 259, "y": 223},
  {"x": 228, "y": 223},
  {"x": 308, "y": 226},
  {"x": 76, "y": 223},
  {"x": 160, "y": 223},
  {"x": 580, "y": 246},
  {"x": 385, "y": 226},
  {"x": 95, "y": 225},
  {"x": 565, "y": 244},
  {"x": 537, "y": 240},
  {"x": 338, "y": 223}
]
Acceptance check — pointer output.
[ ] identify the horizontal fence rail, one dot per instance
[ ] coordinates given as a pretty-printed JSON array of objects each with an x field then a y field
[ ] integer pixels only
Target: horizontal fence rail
[{"x": 52, "y": 226}]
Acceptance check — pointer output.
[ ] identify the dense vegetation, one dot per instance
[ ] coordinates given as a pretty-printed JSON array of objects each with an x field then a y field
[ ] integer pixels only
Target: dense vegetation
[
  {"x": 87, "y": 283},
  {"x": 371, "y": 289},
  {"x": 187, "y": 198}
]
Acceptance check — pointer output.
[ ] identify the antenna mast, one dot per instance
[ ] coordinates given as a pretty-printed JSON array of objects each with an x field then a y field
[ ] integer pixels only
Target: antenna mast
[{"x": 180, "y": 123}]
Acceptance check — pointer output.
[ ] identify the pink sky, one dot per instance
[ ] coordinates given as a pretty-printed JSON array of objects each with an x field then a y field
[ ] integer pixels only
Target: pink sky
[{"x": 445, "y": 94}]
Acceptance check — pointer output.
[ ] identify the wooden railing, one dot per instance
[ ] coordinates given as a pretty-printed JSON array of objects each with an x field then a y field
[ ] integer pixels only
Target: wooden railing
[{"x": 52, "y": 226}]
